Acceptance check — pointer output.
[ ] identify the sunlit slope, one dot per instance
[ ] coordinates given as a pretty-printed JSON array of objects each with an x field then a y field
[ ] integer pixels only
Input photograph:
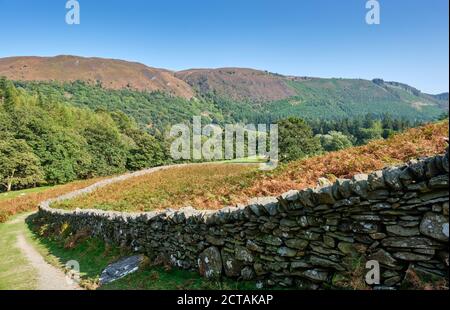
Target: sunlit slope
[{"x": 214, "y": 186}]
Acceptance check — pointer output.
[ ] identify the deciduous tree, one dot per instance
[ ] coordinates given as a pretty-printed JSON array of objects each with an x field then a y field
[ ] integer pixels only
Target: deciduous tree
[
  {"x": 19, "y": 167},
  {"x": 296, "y": 140}
]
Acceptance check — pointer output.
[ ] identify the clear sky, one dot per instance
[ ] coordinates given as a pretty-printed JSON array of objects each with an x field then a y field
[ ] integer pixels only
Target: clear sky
[{"x": 324, "y": 38}]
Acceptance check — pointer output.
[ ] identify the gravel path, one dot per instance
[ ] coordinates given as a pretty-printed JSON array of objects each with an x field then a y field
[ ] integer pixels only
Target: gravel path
[{"x": 49, "y": 277}]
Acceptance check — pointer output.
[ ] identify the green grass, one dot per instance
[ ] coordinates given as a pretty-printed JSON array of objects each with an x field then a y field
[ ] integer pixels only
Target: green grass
[
  {"x": 92, "y": 255},
  {"x": 15, "y": 194},
  {"x": 245, "y": 160},
  {"x": 156, "y": 278},
  {"x": 15, "y": 271}
]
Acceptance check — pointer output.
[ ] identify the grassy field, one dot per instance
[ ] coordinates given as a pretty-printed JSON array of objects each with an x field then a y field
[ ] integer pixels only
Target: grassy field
[
  {"x": 246, "y": 160},
  {"x": 216, "y": 186},
  {"x": 27, "y": 200},
  {"x": 22, "y": 193},
  {"x": 196, "y": 185}
]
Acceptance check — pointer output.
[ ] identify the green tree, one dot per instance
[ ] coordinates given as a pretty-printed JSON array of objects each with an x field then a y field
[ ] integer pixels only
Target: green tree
[
  {"x": 19, "y": 167},
  {"x": 335, "y": 141},
  {"x": 146, "y": 151},
  {"x": 296, "y": 140},
  {"x": 107, "y": 149},
  {"x": 2, "y": 88},
  {"x": 10, "y": 95},
  {"x": 64, "y": 156},
  {"x": 374, "y": 130},
  {"x": 5, "y": 120}
]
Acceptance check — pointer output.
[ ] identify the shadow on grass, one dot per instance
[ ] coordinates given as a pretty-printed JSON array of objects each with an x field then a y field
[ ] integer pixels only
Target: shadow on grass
[{"x": 92, "y": 254}]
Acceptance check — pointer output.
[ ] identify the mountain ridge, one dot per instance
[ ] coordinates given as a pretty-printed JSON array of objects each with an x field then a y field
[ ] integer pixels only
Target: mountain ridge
[
  {"x": 5, "y": 62},
  {"x": 236, "y": 89},
  {"x": 111, "y": 73}
]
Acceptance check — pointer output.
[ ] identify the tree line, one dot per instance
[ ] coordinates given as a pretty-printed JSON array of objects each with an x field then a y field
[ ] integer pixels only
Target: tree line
[{"x": 302, "y": 138}]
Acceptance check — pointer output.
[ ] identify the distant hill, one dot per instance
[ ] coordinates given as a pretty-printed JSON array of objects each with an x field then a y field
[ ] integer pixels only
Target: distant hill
[
  {"x": 228, "y": 93},
  {"x": 443, "y": 96},
  {"x": 239, "y": 84},
  {"x": 442, "y": 100},
  {"x": 261, "y": 87}
]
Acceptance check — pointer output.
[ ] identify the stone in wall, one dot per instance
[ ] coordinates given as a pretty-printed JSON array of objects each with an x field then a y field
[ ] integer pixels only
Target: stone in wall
[{"x": 210, "y": 263}]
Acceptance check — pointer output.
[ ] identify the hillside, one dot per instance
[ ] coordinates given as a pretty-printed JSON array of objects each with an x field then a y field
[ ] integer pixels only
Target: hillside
[
  {"x": 255, "y": 86},
  {"x": 217, "y": 186},
  {"x": 111, "y": 73},
  {"x": 318, "y": 98},
  {"x": 158, "y": 111},
  {"x": 238, "y": 84},
  {"x": 154, "y": 111},
  {"x": 229, "y": 93},
  {"x": 443, "y": 96}
]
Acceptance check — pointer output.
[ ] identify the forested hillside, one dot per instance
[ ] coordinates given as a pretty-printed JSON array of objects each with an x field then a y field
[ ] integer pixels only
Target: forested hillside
[
  {"x": 45, "y": 141},
  {"x": 157, "y": 111},
  {"x": 338, "y": 98},
  {"x": 282, "y": 96}
]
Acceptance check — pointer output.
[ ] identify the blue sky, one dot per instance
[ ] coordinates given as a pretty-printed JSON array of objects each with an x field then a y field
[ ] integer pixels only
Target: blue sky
[{"x": 325, "y": 38}]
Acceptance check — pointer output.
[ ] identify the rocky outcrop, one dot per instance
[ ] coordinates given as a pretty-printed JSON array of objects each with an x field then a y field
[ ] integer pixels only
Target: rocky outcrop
[{"x": 308, "y": 239}]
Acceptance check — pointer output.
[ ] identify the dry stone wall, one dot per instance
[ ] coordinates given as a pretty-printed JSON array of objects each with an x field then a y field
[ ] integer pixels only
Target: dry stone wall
[{"x": 314, "y": 238}]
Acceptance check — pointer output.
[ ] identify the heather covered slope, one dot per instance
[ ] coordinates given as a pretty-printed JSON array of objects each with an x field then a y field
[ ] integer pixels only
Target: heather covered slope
[
  {"x": 111, "y": 73},
  {"x": 424, "y": 141},
  {"x": 238, "y": 84}
]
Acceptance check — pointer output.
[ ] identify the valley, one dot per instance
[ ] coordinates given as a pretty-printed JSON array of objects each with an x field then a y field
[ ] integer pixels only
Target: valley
[{"x": 62, "y": 134}]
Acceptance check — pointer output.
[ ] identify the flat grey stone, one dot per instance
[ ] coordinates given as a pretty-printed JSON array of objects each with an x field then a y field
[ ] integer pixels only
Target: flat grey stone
[
  {"x": 398, "y": 230},
  {"x": 435, "y": 226},
  {"x": 120, "y": 269}
]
